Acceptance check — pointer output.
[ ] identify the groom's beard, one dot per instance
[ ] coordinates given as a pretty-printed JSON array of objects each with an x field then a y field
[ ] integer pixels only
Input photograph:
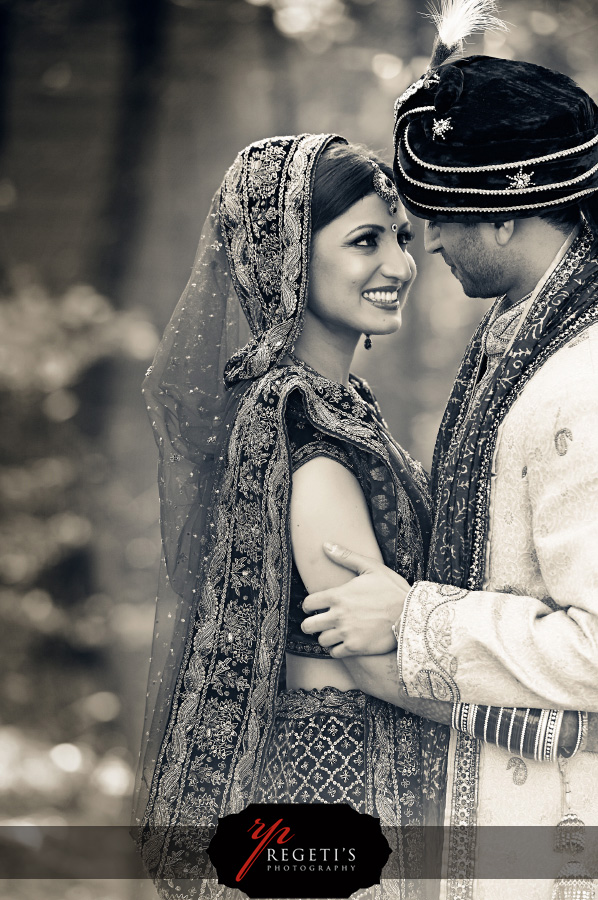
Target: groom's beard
[{"x": 476, "y": 268}]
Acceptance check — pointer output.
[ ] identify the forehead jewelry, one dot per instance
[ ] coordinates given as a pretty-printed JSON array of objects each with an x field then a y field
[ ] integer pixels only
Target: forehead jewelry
[{"x": 385, "y": 188}]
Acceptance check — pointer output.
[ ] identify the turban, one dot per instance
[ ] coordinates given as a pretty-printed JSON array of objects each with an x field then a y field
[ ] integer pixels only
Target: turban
[{"x": 482, "y": 139}]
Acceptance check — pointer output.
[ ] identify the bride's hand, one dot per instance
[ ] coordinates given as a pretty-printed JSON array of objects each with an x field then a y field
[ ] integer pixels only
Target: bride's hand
[{"x": 358, "y": 616}]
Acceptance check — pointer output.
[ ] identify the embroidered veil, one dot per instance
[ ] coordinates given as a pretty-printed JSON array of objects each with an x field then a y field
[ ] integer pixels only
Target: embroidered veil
[
  {"x": 257, "y": 270},
  {"x": 218, "y": 414}
]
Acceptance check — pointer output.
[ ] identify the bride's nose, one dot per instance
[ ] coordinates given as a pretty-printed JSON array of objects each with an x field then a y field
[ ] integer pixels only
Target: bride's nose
[{"x": 397, "y": 265}]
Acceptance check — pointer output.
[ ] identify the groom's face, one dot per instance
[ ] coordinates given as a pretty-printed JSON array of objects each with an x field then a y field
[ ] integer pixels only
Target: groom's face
[{"x": 471, "y": 253}]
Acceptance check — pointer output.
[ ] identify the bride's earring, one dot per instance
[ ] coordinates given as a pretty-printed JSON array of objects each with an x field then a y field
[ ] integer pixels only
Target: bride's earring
[{"x": 368, "y": 342}]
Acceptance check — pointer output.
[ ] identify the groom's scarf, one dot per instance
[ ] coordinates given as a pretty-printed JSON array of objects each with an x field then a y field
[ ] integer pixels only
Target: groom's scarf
[{"x": 462, "y": 465}]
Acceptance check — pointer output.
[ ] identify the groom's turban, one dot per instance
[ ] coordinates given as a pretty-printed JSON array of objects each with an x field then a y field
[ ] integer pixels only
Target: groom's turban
[{"x": 484, "y": 139}]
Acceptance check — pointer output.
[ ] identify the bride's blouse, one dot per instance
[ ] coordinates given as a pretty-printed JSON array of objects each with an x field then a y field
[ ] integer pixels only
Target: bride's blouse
[{"x": 307, "y": 442}]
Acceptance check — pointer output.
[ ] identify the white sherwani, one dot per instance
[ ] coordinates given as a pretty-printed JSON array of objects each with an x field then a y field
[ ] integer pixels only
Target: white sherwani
[{"x": 530, "y": 638}]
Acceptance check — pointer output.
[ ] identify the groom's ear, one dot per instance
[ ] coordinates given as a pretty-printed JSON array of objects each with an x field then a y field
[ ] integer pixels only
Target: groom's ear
[{"x": 503, "y": 232}]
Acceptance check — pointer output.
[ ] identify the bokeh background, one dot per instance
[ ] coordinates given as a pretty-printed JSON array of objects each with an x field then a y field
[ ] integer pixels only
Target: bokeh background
[{"x": 118, "y": 119}]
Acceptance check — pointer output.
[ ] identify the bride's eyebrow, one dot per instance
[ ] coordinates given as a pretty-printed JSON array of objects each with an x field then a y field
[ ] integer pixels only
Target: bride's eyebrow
[{"x": 372, "y": 226}]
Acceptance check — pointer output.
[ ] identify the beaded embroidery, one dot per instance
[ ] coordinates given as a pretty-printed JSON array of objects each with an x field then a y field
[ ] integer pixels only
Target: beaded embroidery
[
  {"x": 520, "y": 183},
  {"x": 212, "y": 757},
  {"x": 522, "y": 180},
  {"x": 269, "y": 186},
  {"x": 441, "y": 127},
  {"x": 494, "y": 167}
]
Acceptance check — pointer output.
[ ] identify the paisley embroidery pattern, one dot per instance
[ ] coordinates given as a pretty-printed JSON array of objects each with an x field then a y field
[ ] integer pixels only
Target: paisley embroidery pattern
[
  {"x": 560, "y": 440},
  {"x": 520, "y": 773}
]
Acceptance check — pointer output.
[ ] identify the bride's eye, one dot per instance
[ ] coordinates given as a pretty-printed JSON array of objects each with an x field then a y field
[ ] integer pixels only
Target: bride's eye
[{"x": 369, "y": 239}]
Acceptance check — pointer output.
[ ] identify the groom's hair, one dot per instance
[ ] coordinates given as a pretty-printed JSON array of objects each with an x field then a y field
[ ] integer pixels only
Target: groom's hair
[
  {"x": 564, "y": 219},
  {"x": 344, "y": 174}
]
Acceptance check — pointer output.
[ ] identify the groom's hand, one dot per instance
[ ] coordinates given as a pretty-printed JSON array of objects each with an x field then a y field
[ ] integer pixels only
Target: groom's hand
[{"x": 358, "y": 616}]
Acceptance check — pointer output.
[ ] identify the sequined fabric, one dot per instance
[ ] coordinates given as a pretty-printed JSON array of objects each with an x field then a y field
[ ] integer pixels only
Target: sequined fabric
[
  {"x": 330, "y": 746},
  {"x": 317, "y": 751},
  {"x": 307, "y": 442},
  {"x": 222, "y": 714},
  {"x": 269, "y": 186}
]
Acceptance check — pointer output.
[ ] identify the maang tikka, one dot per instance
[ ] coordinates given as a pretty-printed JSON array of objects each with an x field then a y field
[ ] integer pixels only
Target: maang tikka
[{"x": 385, "y": 188}]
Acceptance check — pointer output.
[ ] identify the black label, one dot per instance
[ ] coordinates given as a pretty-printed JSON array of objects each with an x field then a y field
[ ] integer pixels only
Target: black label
[{"x": 299, "y": 850}]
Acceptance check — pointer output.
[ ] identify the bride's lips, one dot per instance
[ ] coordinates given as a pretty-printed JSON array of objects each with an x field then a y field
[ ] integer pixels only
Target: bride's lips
[{"x": 382, "y": 298}]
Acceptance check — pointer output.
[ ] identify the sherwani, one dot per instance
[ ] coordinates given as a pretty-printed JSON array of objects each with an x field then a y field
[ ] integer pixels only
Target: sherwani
[{"x": 530, "y": 637}]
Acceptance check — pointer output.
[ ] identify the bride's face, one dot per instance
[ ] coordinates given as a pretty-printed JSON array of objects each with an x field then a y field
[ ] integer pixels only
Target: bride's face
[{"x": 361, "y": 269}]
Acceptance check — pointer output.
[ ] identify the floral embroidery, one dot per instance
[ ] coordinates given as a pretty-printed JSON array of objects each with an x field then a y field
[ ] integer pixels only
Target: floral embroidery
[
  {"x": 222, "y": 712},
  {"x": 235, "y": 572},
  {"x": 520, "y": 180},
  {"x": 441, "y": 127}
]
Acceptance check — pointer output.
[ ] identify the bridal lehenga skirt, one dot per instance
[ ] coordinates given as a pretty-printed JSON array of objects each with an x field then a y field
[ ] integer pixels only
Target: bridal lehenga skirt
[{"x": 331, "y": 746}]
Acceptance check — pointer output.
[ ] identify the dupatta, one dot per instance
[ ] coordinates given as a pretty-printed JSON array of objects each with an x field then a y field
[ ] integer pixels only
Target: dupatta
[{"x": 225, "y": 482}]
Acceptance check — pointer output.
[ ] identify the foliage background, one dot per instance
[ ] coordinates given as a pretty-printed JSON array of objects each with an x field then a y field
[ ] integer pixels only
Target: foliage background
[{"x": 117, "y": 121}]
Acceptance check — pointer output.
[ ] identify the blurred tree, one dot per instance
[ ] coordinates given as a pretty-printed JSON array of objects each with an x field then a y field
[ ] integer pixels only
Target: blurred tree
[
  {"x": 137, "y": 101},
  {"x": 61, "y": 732}
]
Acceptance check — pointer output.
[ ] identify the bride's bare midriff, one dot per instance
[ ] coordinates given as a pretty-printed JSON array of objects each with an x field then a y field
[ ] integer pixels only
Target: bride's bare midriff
[{"x": 309, "y": 674}]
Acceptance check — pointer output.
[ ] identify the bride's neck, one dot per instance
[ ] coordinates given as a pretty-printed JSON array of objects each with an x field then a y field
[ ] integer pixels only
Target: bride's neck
[{"x": 327, "y": 349}]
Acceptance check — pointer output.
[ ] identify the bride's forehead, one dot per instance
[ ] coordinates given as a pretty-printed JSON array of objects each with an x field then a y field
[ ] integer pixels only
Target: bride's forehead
[{"x": 369, "y": 210}]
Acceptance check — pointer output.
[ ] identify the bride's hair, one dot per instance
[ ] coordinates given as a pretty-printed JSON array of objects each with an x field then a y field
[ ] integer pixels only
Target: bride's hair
[{"x": 343, "y": 176}]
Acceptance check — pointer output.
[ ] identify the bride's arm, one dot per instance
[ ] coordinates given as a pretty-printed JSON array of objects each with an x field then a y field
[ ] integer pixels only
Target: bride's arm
[{"x": 327, "y": 503}]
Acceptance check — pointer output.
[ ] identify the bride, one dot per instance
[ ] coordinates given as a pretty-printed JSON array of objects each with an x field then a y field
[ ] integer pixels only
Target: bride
[{"x": 265, "y": 452}]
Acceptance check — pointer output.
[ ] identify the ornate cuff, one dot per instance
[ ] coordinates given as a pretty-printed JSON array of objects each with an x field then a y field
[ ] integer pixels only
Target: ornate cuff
[{"x": 398, "y": 629}]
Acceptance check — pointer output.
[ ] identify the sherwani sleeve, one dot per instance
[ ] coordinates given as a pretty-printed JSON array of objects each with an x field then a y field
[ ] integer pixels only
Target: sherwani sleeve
[{"x": 536, "y": 645}]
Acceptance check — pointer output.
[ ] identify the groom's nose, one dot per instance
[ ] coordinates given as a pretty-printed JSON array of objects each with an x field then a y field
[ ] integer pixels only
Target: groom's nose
[{"x": 432, "y": 242}]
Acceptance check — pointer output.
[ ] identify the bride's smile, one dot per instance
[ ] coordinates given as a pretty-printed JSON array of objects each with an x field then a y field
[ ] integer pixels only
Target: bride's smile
[
  {"x": 361, "y": 269},
  {"x": 361, "y": 272}
]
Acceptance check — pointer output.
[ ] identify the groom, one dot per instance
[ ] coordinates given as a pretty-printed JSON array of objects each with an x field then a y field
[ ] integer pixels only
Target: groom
[{"x": 501, "y": 159}]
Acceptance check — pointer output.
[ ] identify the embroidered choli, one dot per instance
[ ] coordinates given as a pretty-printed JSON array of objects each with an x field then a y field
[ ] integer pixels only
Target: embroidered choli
[{"x": 307, "y": 442}]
